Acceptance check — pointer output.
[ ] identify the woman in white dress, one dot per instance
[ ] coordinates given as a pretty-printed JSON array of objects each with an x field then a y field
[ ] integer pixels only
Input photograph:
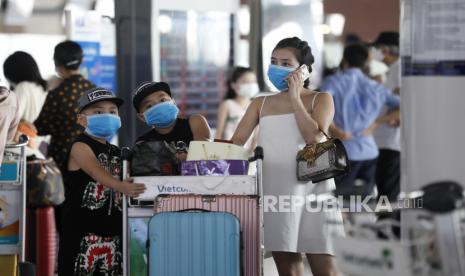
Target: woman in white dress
[
  {"x": 288, "y": 121},
  {"x": 242, "y": 87}
]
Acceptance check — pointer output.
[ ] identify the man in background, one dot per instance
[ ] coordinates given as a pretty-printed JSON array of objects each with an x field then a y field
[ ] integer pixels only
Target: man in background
[
  {"x": 387, "y": 135},
  {"x": 58, "y": 115},
  {"x": 358, "y": 101}
]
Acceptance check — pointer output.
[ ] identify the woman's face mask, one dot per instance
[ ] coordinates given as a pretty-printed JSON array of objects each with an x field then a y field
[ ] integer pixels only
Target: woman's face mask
[
  {"x": 161, "y": 115},
  {"x": 103, "y": 126},
  {"x": 248, "y": 90},
  {"x": 278, "y": 74}
]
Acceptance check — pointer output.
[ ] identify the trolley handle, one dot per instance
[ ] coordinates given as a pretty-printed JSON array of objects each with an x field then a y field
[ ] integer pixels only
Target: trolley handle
[
  {"x": 451, "y": 196},
  {"x": 438, "y": 198},
  {"x": 125, "y": 153},
  {"x": 258, "y": 154},
  {"x": 23, "y": 141}
]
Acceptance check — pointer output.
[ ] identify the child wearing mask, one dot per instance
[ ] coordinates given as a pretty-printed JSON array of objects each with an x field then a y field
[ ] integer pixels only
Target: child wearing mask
[
  {"x": 156, "y": 107},
  {"x": 92, "y": 220}
]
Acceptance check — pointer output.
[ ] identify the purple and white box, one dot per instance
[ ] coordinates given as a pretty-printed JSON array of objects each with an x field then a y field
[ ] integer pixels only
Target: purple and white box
[{"x": 214, "y": 167}]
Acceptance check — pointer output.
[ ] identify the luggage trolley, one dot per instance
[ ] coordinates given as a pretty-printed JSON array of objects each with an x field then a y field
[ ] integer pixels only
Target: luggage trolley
[
  {"x": 137, "y": 211},
  {"x": 435, "y": 246},
  {"x": 13, "y": 200}
]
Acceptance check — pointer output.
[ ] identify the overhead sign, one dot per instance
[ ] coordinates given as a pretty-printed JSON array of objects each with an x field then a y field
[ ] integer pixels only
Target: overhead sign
[
  {"x": 97, "y": 37},
  {"x": 433, "y": 37}
]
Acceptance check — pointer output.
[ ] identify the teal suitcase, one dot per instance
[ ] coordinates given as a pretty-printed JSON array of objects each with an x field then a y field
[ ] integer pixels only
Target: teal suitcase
[{"x": 194, "y": 244}]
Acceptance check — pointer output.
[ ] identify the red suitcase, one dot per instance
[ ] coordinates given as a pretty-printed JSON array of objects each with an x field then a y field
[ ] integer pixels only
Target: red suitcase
[
  {"x": 245, "y": 208},
  {"x": 41, "y": 240}
]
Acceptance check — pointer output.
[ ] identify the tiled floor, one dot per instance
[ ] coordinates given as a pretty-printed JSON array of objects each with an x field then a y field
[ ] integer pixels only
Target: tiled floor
[{"x": 269, "y": 268}]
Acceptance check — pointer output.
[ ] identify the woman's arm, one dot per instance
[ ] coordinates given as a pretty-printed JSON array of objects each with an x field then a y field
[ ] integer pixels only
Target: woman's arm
[
  {"x": 248, "y": 122},
  {"x": 200, "y": 128},
  {"x": 221, "y": 121},
  {"x": 339, "y": 133},
  {"x": 322, "y": 115},
  {"x": 23, "y": 100},
  {"x": 46, "y": 121}
]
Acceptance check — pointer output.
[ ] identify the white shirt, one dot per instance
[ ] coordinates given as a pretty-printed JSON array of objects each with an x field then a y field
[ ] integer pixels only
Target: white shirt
[
  {"x": 9, "y": 120},
  {"x": 31, "y": 98},
  {"x": 386, "y": 136}
]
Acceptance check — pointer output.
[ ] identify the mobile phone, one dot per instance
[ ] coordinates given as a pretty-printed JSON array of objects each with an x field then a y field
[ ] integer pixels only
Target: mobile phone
[{"x": 304, "y": 72}]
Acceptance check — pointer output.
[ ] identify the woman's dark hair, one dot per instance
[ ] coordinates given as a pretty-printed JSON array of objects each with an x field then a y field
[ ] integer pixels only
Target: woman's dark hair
[
  {"x": 68, "y": 54},
  {"x": 356, "y": 55},
  {"x": 236, "y": 74},
  {"x": 302, "y": 51},
  {"x": 21, "y": 66}
]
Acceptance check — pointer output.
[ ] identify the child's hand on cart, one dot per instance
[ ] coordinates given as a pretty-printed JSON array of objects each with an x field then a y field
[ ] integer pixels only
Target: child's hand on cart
[{"x": 131, "y": 189}]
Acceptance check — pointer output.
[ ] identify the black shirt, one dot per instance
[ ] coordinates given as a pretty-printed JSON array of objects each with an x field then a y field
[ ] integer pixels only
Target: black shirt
[
  {"x": 181, "y": 132},
  {"x": 58, "y": 117},
  {"x": 91, "y": 207}
]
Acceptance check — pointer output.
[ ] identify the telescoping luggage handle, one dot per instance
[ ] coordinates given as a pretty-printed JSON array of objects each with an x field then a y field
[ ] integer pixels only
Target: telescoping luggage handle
[
  {"x": 125, "y": 153},
  {"x": 23, "y": 141}
]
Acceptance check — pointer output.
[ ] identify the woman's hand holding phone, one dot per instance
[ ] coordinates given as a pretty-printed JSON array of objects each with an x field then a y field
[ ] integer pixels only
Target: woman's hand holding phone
[{"x": 296, "y": 80}]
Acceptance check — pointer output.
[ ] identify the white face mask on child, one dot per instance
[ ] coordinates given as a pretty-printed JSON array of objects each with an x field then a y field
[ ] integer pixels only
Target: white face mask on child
[{"x": 248, "y": 90}]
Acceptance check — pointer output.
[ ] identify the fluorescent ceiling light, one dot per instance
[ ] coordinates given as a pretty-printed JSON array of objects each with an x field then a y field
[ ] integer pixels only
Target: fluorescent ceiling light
[{"x": 290, "y": 2}]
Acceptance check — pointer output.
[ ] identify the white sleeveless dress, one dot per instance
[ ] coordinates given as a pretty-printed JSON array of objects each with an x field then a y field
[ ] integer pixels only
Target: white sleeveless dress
[
  {"x": 235, "y": 114},
  {"x": 296, "y": 230}
]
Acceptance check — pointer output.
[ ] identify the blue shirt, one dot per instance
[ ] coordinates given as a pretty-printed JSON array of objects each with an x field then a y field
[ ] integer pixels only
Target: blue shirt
[{"x": 358, "y": 101}]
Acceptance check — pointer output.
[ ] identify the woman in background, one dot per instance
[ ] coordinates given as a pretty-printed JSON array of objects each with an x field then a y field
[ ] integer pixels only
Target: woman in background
[
  {"x": 25, "y": 80},
  {"x": 242, "y": 87}
]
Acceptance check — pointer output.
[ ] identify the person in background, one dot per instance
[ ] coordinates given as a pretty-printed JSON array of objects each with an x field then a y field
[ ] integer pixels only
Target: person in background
[
  {"x": 9, "y": 117},
  {"x": 58, "y": 115},
  {"x": 289, "y": 120},
  {"x": 358, "y": 100},
  {"x": 376, "y": 69},
  {"x": 156, "y": 107},
  {"x": 387, "y": 135},
  {"x": 23, "y": 74},
  {"x": 91, "y": 241},
  {"x": 242, "y": 87}
]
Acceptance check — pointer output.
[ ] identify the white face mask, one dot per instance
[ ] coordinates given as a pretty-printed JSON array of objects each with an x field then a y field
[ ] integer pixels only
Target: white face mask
[
  {"x": 248, "y": 90},
  {"x": 377, "y": 54}
]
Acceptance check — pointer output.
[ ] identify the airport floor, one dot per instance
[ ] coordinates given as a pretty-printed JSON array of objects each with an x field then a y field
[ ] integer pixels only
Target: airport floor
[{"x": 269, "y": 268}]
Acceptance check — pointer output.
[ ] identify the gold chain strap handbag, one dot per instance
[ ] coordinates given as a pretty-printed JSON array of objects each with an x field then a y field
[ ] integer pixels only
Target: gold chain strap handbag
[{"x": 321, "y": 161}]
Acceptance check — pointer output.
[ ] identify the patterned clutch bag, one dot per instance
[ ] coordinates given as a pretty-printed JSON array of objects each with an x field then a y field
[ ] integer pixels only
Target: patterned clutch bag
[{"x": 321, "y": 161}]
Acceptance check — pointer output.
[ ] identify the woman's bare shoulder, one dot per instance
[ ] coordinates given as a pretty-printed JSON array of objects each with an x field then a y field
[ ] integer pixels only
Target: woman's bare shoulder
[{"x": 258, "y": 101}]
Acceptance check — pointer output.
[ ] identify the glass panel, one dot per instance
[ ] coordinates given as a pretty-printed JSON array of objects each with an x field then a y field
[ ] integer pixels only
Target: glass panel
[
  {"x": 138, "y": 229},
  {"x": 288, "y": 18},
  {"x": 195, "y": 53}
]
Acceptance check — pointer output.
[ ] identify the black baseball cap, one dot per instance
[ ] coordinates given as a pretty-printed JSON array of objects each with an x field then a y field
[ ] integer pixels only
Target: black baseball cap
[
  {"x": 387, "y": 38},
  {"x": 146, "y": 89},
  {"x": 98, "y": 94}
]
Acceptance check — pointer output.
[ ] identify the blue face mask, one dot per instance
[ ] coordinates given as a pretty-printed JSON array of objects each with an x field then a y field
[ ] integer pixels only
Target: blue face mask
[
  {"x": 162, "y": 115},
  {"x": 278, "y": 74},
  {"x": 103, "y": 126}
]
